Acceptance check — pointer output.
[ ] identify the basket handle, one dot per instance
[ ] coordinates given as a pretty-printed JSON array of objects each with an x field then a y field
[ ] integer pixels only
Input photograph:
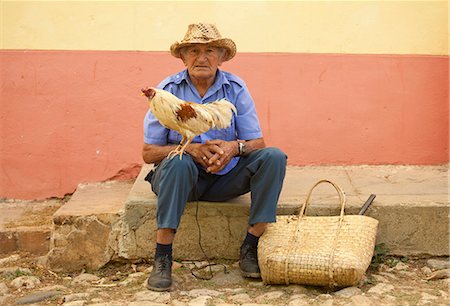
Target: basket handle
[{"x": 341, "y": 193}]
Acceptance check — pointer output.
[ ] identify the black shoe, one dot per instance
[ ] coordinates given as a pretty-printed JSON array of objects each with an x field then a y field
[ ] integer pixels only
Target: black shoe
[
  {"x": 160, "y": 278},
  {"x": 248, "y": 261}
]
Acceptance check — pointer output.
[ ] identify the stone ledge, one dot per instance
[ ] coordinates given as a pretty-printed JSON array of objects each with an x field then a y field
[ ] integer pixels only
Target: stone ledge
[
  {"x": 86, "y": 229},
  {"x": 35, "y": 240},
  {"x": 25, "y": 226},
  {"x": 409, "y": 199}
]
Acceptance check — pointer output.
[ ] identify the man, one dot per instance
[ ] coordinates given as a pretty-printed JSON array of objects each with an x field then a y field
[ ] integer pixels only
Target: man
[{"x": 219, "y": 164}]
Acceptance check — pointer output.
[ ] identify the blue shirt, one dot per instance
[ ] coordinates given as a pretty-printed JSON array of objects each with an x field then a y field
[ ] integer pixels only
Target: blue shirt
[{"x": 244, "y": 125}]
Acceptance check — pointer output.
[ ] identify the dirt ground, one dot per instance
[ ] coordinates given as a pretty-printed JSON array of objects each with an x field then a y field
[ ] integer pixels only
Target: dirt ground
[{"x": 24, "y": 279}]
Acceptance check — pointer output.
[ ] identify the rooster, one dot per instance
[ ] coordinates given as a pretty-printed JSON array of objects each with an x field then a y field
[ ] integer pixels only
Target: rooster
[{"x": 187, "y": 118}]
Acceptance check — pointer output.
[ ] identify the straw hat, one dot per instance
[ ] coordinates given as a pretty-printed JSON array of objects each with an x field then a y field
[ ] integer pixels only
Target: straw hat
[{"x": 204, "y": 33}]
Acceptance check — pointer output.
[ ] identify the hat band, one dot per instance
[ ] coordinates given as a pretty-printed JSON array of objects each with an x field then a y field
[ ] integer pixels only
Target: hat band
[{"x": 199, "y": 38}]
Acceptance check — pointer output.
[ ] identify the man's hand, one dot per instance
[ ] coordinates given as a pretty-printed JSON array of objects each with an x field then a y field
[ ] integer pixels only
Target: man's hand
[
  {"x": 224, "y": 152},
  {"x": 203, "y": 154}
]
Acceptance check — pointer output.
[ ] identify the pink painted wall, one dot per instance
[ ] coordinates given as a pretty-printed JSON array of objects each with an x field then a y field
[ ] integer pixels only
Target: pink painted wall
[{"x": 76, "y": 116}]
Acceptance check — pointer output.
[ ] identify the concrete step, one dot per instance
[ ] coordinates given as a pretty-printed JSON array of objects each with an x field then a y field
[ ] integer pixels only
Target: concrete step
[
  {"x": 86, "y": 229},
  {"x": 411, "y": 206},
  {"x": 25, "y": 226},
  {"x": 110, "y": 221}
]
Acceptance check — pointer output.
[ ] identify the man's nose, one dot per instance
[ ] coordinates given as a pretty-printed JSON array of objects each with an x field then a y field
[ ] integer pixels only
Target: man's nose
[{"x": 203, "y": 56}]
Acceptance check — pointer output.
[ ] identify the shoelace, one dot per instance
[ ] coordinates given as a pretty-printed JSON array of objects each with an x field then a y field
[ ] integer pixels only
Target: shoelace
[{"x": 162, "y": 264}]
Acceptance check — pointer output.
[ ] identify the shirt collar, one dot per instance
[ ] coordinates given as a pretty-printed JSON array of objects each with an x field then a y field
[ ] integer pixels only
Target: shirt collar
[{"x": 221, "y": 80}]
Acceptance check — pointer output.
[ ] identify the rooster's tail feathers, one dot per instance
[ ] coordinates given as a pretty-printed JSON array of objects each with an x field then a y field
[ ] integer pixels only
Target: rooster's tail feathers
[{"x": 221, "y": 112}]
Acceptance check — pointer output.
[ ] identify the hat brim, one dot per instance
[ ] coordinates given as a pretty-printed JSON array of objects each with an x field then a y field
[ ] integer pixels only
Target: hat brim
[{"x": 225, "y": 43}]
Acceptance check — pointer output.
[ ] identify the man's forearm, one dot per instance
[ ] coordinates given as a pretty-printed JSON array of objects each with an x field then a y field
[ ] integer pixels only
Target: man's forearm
[{"x": 155, "y": 153}]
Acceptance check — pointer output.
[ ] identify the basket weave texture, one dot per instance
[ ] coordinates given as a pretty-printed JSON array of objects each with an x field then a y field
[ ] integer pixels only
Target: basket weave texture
[{"x": 330, "y": 251}]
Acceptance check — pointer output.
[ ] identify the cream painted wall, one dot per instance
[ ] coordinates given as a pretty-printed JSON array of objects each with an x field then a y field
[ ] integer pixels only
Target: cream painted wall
[{"x": 368, "y": 27}]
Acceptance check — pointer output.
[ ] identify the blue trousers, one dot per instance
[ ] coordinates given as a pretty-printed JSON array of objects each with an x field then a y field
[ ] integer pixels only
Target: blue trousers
[{"x": 178, "y": 181}]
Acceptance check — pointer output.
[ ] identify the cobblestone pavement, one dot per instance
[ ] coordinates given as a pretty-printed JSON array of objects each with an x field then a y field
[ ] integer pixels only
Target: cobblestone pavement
[{"x": 389, "y": 281}]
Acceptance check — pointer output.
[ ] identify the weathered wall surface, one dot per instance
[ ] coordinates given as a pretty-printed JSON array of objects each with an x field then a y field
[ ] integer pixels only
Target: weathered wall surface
[{"x": 334, "y": 83}]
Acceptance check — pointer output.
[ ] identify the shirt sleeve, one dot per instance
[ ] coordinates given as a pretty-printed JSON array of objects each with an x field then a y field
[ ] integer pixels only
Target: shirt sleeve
[
  {"x": 154, "y": 132},
  {"x": 247, "y": 123}
]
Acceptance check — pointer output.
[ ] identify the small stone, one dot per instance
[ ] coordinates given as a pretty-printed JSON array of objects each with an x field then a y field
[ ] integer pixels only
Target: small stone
[
  {"x": 153, "y": 296},
  {"x": 176, "y": 265},
  {"x": 360, "y": 300},
  {"x": 141, "y": 268},
  {"x": 408, "y": 274},
  {"x": 15, "y": 271},
  {"x": 204, "y": 292},
  {"x": 446, "y": 282},
  {"x": 443, "y": 293},
  {"x": 3, "y": 289},
  {"x": 9, "y": 259},
  {"x": 269, "y": 296},
  {"x": 200, "y": 300},
  {"x": 426, "y": 271},
  {"x": 299, "y": 302},
  {"x": 28, "y": 282},
  {"x": 96, "y": 300},
  {"x": 233, "y": 290},
  {"x": 85, "y": 279},
  {"x": 299, "y": 296},
  {"x": 401, "y": 266},
  {"x": 136, "y": 275},
  {"x": 438, "y": 264},
  {"x": 42, "y": 261},
  {"x": 327, "y": 303},
  {"x": 428, "y": 297},
  {"x": 75, "y": 297},
  {"x": 36, "y": 297},
  {"x": 75, "y": 303},
  {"x": 132, "y": 278},
  {"x": 348, "y": 292},
  {"x": 324, "y": 296},
  {"x": 381, "y": 288},
  {"x": 298, "y": 289},
  {"x": 240, "y": 298}
]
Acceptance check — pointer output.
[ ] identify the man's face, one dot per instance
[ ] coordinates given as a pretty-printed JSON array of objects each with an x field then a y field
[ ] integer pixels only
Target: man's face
[{"x": 202, "y": 61}]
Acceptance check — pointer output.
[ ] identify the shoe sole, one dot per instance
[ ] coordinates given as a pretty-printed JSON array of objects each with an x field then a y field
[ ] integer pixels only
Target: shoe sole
[
  {"x": 158, "y": 289},
  {"x": 250, "y": 274}
]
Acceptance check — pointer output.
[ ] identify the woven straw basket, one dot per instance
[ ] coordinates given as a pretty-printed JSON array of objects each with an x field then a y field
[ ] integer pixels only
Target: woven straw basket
[{"x": 320, "y": 251}]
